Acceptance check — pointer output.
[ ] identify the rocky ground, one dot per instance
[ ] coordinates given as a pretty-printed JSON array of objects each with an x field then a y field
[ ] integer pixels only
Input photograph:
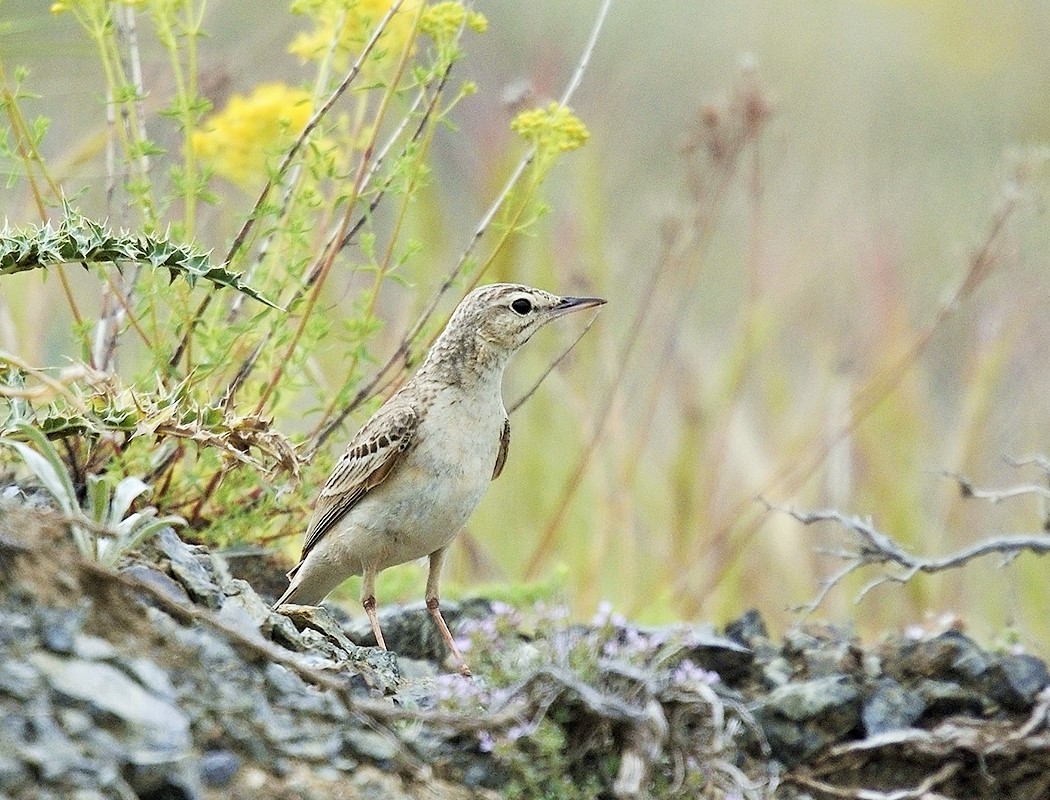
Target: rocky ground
[{"x": 171, "y": 678}]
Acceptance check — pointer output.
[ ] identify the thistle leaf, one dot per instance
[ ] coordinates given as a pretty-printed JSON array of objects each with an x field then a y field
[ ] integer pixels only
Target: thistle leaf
[{"x": 78, "y": 239}]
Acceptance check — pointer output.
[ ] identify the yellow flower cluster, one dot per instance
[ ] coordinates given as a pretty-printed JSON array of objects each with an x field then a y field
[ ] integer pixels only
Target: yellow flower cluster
[
  {"x": 236, "y": 141},
  {"x": 358, "y": 20},
  {"x": 552, "y": 129},
  {"x": 442, "y": 21}
]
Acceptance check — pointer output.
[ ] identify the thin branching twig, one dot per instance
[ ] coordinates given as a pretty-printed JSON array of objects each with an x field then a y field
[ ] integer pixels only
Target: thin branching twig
[{"x": 875, "y": 548}]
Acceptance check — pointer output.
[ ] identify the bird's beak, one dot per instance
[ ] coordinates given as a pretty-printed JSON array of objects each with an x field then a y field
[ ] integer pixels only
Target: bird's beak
[{"x": 567, "y": 304}]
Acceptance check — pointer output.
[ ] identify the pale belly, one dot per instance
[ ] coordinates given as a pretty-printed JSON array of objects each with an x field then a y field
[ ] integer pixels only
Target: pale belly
[{"x": 427, "y": 499}]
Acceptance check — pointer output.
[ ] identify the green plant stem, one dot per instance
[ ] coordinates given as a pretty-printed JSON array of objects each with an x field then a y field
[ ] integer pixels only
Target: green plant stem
[
  {"x": 328, "y": 259},
  {"x": 286, "y": 162}
]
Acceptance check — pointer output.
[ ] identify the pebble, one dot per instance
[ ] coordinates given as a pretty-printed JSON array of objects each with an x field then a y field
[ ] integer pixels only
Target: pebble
[
  {"x": 218, "y": 768},
  {"x": 1015, "y": 680},
  {"x": 891, "y": 707}
]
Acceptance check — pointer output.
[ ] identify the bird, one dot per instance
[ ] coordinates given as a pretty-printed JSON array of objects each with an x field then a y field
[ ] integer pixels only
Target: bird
[{"x": 415, "y": 471}]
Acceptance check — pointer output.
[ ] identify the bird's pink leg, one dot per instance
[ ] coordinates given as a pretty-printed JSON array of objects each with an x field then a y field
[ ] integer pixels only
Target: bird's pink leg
[
  {"x": 368, "y": 600},
  {"x": 434, "y": 607}
]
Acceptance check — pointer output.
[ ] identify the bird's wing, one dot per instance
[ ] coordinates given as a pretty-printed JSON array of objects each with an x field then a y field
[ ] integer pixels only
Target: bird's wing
[
  {"x": 504, "y": 446},
  {"x": 368, "y": 460}
]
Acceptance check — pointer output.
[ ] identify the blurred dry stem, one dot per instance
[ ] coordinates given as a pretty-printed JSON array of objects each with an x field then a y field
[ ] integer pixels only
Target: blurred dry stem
[
  {"x": 745, "y": 519},
  {"x": 282, "y": 168},
  {"x": 722, "y": 135}
]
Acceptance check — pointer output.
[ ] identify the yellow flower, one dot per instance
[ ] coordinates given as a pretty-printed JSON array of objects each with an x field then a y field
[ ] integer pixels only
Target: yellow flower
[
  {"x": 237, "y": 141},
  {"x": 554, "y": 129},
  {"x": 359, "y": 20},
  {"x": 442, "y": 21}
]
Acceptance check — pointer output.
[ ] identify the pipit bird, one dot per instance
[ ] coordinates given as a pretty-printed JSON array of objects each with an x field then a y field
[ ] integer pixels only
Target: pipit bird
[{"x": 418, "y": 468}]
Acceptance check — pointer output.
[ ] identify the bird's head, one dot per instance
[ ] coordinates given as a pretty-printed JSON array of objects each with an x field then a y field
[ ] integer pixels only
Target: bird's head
[{"x": 505, "y": 315}]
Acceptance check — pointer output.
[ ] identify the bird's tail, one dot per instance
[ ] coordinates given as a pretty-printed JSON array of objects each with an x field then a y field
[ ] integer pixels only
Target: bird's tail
[{"x": 292, "y": 586}]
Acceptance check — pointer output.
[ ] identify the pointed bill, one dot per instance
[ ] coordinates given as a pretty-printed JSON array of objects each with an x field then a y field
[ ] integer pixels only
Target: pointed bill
[{"x": 568, "y": 304}]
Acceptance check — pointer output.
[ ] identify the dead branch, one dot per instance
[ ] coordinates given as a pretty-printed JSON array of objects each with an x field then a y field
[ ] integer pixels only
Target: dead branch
[
  {"x": 875, "y": 548},
  {"x": 968, "y": 490}
]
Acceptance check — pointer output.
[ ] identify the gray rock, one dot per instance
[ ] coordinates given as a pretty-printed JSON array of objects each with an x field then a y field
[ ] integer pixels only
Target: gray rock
[
  {"x": 791, "y": 744},
  {"x": 152, "y": 676},
  {"x": 17, "y": 628},
  {"x": 891, "y": 707},
  {"x": 801, "y": 719},
  {"x": 234, "y": 614},
  {"x": 218, "y": 768},
  {"x": 74, "y": 721},
  {"x": 808, "y": 699},
  {"x": 320, "y": 619},
  {"x": 240, "y": 595},
  {"x": 747, "y": 628},
  {"x": 18, "y": 679},
  {"x": 58, "y": 627},
  {"x": 220, "y": 573},
  {"x": 93, "y": 648},
  {"x": 190, "y": 568},
  {"x": 722, "y": 654},
  {"x": 373, "y": 745},
  {"x": 777, "y": 671},
  {"x": 156, "y": 579},
  {"x": 13, "y": 771},
  {"x": 283, "y": 632},
  {"x": 944, "y": 698},
  {"x": 47, "y": 749},
  {"x": 798, "y": 641},
  {"x": 288, "y": 686},
  {"x": 1014, "y": 680},
  {"x": 160, "y": 725},
  {"x": 312, "y": 746},
  {"x": 950, "y": 654}
]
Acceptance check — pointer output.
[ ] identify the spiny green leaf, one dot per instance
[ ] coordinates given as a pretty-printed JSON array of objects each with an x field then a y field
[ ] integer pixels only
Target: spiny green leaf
[{"x": 79, "y": 239}]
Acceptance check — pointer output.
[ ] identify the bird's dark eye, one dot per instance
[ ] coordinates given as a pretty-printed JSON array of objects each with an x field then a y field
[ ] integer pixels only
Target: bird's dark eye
[{"x": 521, "y": 306}]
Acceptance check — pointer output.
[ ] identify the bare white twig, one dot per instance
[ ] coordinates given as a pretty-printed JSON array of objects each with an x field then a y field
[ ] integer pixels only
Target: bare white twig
[
  {"x": 968, "y": 490},
  {"x": 1039, "y": 461},
  {"x": 873, "y": 547}
]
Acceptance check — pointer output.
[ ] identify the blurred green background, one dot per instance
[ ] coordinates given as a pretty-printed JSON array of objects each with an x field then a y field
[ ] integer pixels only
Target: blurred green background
[{"x": 820, "y": 256}]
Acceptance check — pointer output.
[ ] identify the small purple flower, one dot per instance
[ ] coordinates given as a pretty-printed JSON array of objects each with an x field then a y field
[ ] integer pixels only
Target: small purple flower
[
  {"x": 915, "y": 632},
  {"x": 603, "y": 615},
  {"x": 486, "y": 742},
  {"x": 636, "y": 642},
  {"x": 457, "y": 691},
  {"x": 501, "y": 609},
  {"x": 689, "y": 675}
]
